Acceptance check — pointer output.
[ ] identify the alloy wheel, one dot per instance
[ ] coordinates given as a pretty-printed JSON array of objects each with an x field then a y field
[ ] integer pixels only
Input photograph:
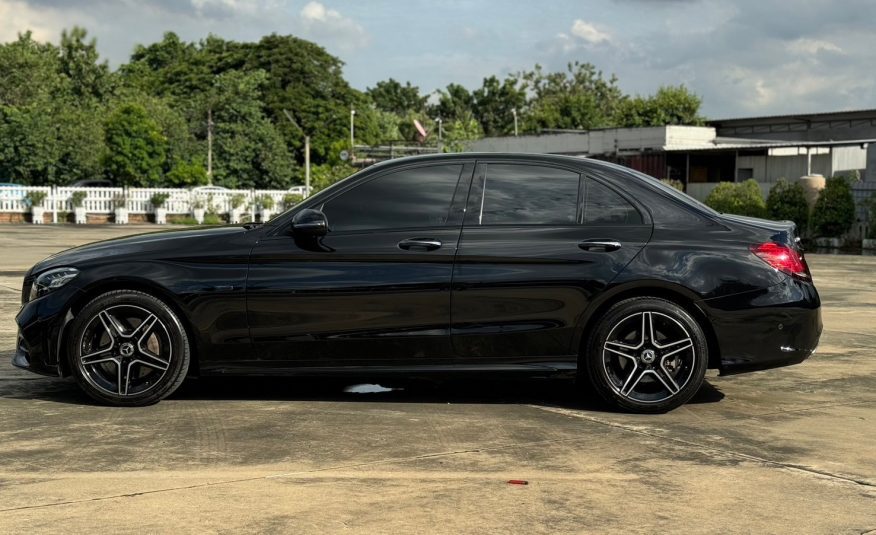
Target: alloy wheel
[
  {"x": 648, "y": 357},
  {"x": 125, "y": 350}
]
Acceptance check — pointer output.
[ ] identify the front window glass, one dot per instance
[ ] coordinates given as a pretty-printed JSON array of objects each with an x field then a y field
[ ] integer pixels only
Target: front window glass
[{"x": 409, "y": 198}]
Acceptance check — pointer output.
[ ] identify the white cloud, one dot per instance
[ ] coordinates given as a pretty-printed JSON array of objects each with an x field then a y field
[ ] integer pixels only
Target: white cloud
[
  {"x": 806, "y": 46},
  {"x": 326, "y": 25},
  {"x": 589, "y": 33},
  {"x": 19, "y": 17}
]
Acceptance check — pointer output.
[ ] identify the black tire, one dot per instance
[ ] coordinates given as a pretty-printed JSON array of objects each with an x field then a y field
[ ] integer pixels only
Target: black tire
[
  {"x": 132, "y": 332},
  {"x": 636, "y": 373}
]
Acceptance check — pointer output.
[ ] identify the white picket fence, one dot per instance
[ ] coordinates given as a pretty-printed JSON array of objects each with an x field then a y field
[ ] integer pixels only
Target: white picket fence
[{"x": 137, "y": 200}]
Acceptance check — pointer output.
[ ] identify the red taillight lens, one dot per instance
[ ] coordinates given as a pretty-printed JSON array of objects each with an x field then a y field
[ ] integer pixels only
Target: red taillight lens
[{"x": 783, "y": 258}]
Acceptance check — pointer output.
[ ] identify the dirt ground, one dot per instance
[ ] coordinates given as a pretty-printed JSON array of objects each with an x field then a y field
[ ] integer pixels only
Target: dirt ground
[{"x": 790, "y": 450}]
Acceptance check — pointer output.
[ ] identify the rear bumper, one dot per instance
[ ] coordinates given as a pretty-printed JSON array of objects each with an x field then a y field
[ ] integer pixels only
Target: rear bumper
[{"x": 762, "y": 329}]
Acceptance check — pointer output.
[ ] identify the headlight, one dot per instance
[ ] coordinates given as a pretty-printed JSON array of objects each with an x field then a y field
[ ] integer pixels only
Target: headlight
[{"x": 52, "y": 280}]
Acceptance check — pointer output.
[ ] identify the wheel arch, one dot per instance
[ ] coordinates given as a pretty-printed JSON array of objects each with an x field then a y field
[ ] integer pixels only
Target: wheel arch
[
  {"x": 674, "y": 293},
  {"x": 88, "y": 293}
]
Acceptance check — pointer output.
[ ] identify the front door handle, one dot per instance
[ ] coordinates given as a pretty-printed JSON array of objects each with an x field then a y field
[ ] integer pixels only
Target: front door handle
[
  {"x": 605, "y": 246},
  {"x": 427, "y": 244}
]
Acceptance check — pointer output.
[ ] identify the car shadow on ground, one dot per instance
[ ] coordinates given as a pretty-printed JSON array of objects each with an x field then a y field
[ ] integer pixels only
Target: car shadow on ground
[{"x": 553, "y": 392}]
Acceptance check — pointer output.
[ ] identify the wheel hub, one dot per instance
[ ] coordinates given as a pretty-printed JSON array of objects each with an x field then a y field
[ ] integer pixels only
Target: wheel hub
[
  {"x": 126, "y": 349},
  {"x": 648, "y": 356}
]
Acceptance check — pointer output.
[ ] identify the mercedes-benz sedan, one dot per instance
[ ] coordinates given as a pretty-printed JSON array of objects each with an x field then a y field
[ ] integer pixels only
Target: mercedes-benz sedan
[{"x": 483, "y": 263}]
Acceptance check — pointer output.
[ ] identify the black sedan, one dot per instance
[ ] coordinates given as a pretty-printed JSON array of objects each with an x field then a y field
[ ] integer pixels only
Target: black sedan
[{"x": 483, "y": 263}]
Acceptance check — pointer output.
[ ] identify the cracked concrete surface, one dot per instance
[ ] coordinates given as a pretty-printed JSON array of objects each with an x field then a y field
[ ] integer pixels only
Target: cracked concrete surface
[{"x": 787, "y": 450}]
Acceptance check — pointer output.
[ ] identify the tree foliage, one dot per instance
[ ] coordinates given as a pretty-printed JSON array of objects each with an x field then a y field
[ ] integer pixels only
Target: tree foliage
[
  {"x": 743, "y": 198},
  {"x": 834, "y": 211},
  {"x": 787, "y": 202},
  {"x": 136, "y": 150}
]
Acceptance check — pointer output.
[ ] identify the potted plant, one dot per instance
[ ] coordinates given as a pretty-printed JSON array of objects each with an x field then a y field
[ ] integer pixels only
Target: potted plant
[
  {"x": 870, "y": 240},
  {"x": 266, "y": 202},
  {"x": 291, "y": 199},
  {"x": 198, "y": 209},
  {"x": 158, "y": 201},
  {"x": 80, "y": 214},
  {"x": 120, "y": 206},
  {"x": 237, "y": 206},
  {"x": 35, "y": 199},
  {"x": 834, "y": 212}
]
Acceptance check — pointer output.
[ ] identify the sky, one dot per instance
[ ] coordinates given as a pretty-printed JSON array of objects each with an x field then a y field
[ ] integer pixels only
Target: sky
[{"x": 743, "y": 57}]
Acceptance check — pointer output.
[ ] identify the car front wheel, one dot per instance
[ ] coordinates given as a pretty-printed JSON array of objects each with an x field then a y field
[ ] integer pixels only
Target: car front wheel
[
  {"x": 647, "y": 355},
  {"x": 128, "y": 348}
]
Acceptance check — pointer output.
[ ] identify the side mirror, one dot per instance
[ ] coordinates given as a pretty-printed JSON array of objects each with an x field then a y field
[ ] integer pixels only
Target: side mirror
[{"x": 311, "y": 223}]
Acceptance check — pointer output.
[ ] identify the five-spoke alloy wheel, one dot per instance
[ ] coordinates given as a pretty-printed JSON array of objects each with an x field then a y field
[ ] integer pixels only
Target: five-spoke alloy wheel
[
  {"x": 647, "y": 355},
  {"x": 128, "y": 348}
]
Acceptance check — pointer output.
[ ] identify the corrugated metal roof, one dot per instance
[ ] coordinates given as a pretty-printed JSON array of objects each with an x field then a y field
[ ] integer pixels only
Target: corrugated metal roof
[
  {"x": 767, "y": 145},
  {"x": 793, "y": 116}
]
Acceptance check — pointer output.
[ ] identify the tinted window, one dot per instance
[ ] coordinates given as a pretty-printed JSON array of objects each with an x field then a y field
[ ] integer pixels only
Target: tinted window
[
  {"x": 418, "y": 197},
  {"x": 529, "y": 195},
  {"x": 602, "y": 206}
]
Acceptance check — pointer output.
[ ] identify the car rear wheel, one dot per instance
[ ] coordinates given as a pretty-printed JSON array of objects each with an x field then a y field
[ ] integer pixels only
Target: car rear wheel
[
  {"x": 647, "y": 355},
  {"x": 128, "y": 348}
]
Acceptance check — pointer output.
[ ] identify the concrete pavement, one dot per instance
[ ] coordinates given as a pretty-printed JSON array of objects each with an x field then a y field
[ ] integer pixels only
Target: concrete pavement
[{"x": 787, "y": 450}]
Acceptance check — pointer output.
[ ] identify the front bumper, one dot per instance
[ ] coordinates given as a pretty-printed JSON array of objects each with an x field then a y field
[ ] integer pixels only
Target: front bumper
[
  {"x": 762, "y": 329},
  {"x": 40, "y": 326}
]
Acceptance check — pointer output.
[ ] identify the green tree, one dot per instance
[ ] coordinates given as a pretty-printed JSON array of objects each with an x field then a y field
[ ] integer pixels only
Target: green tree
[
  {"x": 834, "y": 211},
  {"x": 787, "y": 201},
  {"x": 671, "y": 105},
  {"x": 454, "y": 102},
  {"x": 459, "y": 132},
  {"x": 31, "y": 71},
  {"x": 496, "y": 102},
  {"x": 742, "y": 198},
  {"x": 580, "y": 97},
  {"x": 79, "y": 63},
  {"x": 136, "y": 149},
  {"x": 185, "y": 174},
  {"x": 391, "y": 96}
]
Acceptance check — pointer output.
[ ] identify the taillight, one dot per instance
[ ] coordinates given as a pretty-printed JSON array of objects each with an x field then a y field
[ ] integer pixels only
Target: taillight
[{"x": 784, "y": 258}]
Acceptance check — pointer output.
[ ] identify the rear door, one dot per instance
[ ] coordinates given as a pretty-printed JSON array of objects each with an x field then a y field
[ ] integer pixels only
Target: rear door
[{"x": 538, "y": 243}]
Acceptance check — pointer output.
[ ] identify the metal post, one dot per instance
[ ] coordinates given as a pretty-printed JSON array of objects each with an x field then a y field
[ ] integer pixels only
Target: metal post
[
  {"x": 306, "y": 166},
  {"x": 209, "y": 146},
  {"x": 352, "y": 130}
]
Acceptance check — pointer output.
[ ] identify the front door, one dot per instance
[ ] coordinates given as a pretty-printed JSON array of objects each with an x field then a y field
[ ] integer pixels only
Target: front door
[{"x": 376, "y": 289}]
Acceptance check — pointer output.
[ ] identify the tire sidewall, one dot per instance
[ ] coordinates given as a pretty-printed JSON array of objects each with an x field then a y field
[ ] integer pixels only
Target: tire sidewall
[
  {"x": 179, "y": 362},
  {"x": 594, "y": 353}
]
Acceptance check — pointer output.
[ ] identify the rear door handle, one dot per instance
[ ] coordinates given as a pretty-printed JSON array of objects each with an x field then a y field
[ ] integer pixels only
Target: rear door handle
[
  {"x": 428, "y": 244},
  {"x": 605, "y": 246}
]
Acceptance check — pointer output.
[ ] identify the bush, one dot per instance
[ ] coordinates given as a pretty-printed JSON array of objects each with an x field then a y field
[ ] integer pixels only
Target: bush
[
  {"x": 834, "y": 211},
  {"x": 871, "y": 213},
  {"x": 35, "y": 198},
  {"x": 158, "y": 199},
  {"x": 738, "y": 198},
  {"x": 266, "y": 202},
  {"x": 291, "y": 199},
  {"x": 78, "y": 198},
  {"x": 671, "y": 182},
  {"x": 187, "y": 174},
  {"x": 238, "y": 200},
  {"x": 787, "y": 201}
]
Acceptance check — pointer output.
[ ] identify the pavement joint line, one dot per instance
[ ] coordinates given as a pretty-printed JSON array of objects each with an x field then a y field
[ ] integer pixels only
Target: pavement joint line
[
  {"x": 292, "y": 474},
  {"x": 789, "y": 411},
  {"x": 754, "y": 458}
]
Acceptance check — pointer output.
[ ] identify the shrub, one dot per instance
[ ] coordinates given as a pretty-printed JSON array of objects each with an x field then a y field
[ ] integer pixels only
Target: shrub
[
  {"x": 870, "y": 203},
  {"x": 834, "y": 211},
  {"x": 237, "y": 200},
  {"x": 78, "y": 198},
  {"x": 266, "y": 202},
  {"x": 738, "y": 198},
  {"x": 291, "y": 199},
  {"x": 187, "y": 174},
  {"x": 787, "y": 201},
  {"x": 671, "y": 182},
  {"x": 35, "y": 198},
  {"x": 198, "y": 203},
  {"x": 213, "y": 219},
  {"x": 159, "y": 199}
]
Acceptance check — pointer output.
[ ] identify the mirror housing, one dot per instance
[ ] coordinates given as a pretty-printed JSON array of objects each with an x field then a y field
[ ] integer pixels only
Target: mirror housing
[{"x": 309, "y": 222}]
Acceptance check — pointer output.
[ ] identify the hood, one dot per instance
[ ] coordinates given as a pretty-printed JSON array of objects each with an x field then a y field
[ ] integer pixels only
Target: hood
[{"x": 171, "y": 240}]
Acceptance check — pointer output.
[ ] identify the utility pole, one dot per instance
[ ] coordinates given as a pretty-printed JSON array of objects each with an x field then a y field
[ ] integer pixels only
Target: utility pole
[
  {"x": 440, "y": 122},
  {"x": 352, "y": 130},
  {"x": 210, "y": 146},
  {"x": 306, "y": 154},
  {"x": 514, "y": 113}
]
